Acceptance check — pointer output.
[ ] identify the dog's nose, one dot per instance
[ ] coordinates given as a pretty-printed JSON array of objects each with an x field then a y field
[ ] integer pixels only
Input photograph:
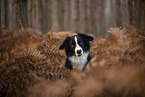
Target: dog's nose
[{"x": 79, "y": 51}]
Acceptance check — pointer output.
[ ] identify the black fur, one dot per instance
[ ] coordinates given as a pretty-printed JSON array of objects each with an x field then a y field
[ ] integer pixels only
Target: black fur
[{"x": 69, "y": 46}]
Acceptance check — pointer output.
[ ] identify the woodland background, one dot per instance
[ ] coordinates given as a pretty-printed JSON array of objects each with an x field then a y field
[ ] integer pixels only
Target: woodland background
[
  {"x": 89, "y": 16},
  {"x": 31, "y": 64}
]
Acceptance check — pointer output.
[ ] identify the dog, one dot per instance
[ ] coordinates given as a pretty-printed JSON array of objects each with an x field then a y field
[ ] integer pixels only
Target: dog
[{"x": 77, "y": 51}]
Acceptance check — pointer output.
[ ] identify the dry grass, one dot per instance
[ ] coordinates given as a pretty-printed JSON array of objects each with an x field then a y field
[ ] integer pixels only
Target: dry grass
[{"x": 31, "y": 65}]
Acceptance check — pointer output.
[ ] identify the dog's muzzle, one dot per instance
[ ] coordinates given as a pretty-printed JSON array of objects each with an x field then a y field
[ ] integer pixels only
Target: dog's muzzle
[{"x": 79, "y": 52}]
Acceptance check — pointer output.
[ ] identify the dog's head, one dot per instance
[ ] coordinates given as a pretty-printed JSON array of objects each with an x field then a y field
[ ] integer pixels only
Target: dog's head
[{"x": 76, "y": 45}]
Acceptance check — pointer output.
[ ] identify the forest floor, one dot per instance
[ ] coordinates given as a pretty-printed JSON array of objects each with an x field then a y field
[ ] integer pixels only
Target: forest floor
[{"x": 31, "y": 65}]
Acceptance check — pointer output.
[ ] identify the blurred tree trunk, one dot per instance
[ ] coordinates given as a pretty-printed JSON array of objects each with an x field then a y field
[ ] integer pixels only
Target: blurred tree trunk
[
  {"x": 77, "y": 18},
  {"x": 130, "y": 10},
  {"x": 89, "y": 15},
  {"x": 138, "y": 14},
  {"x": 46, "y": 16},
  {"x": 30, "y": 13},
  {"x": 102, "y": 20},
  {"x": 85, "y": 16},
  {"x": 6, "y": 14},
  {"x": 54, "y": 12},
  {"x": 0, "y": 18},
  {"x": 10, "y": 15},
  {"x": 66, "y": 14},
  {"x": 34, "y": 24},
  {"x": 143, "y": 15},
  {"x": 87, "y": 24},
  {"x": 21, "y": 13},
  {"x": 40, "y": 15},
  {"x": 93, "y": 18},
  {"x": 72, "y": 15},
  {"x": 69, "y": 15},
  {"x": 118, "y": 13},
  {"x": 47, "y": 12},
  {"x": 60, "y": 15},
  {"x": 81, "y": 23},
  {"x": 14, "y": 25}
]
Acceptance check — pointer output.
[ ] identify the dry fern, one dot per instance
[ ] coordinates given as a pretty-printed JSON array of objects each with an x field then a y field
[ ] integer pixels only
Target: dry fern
[
  {"x": 117, "y": 68},
  {"x": 12, "y": 43}
]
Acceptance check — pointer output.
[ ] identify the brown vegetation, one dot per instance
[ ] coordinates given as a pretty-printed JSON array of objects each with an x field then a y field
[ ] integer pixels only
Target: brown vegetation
[{"x": 31, "y": 65}]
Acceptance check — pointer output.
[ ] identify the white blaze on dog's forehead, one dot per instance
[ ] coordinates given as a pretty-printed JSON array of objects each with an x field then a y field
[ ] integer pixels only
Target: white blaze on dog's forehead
[
  {"x": 77, "y": 46},
  {"x": 76, "y": 40}
]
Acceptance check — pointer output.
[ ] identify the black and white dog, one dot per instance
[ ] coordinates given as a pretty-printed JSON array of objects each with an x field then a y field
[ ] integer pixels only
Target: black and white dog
[{"x": 77, "y": 51}]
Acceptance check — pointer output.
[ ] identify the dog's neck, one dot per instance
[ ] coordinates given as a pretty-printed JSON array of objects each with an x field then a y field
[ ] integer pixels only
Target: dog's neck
[{"x": 79, "y": 62}]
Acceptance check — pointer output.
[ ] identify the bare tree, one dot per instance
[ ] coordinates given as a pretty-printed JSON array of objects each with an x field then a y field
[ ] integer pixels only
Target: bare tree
[
  {"x": 118, "y": 13},
  {"x": 77, "y": 16},
  {"x": 0, "y": 17},
  {"x": 89, "y": 16},
  {"x": 30, "y": 13},
  {"x": 130, "y": 10},
  {"x": 66, "y": 14},
  {"x": 6, "y": 14},
  {"x": 47, "y": 15},
  {"x": 138, "y": 14},
  {"x": 40, "y": 18},
  {"x": 143, "y": 15},
  {"x": 21, "y": 13},
  {"x": 60, "y": 14},
  {"x": 93, "y": 16}
]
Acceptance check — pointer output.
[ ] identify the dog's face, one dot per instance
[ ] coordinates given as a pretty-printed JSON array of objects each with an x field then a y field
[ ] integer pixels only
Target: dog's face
[{"x": 76, "y": 45}]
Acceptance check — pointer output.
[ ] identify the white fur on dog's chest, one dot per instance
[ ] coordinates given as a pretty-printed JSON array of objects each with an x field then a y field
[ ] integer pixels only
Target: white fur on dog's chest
[{"x": 79, "y": 62}]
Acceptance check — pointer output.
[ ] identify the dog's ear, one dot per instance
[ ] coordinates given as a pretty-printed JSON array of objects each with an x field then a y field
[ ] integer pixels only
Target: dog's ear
[
  {"x": 90, "y": 38},
  {"x": 63, "y": 45}
]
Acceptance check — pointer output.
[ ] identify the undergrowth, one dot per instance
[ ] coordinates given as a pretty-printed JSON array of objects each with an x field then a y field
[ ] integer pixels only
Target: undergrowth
[{"x": 32, "y": 66}]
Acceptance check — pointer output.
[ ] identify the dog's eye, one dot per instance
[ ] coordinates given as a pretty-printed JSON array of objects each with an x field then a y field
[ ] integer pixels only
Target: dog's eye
[
  {"x": 80, "y": 43},
  {"x": 72, "y": 46}
]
